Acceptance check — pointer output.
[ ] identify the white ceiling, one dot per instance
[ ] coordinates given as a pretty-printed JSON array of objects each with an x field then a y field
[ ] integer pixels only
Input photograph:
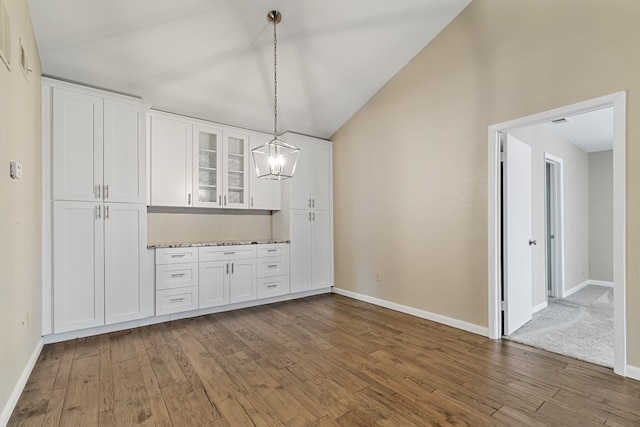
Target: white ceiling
[
  {"x": 591, "y": 131},
  {"x": 213, "y": 59}
]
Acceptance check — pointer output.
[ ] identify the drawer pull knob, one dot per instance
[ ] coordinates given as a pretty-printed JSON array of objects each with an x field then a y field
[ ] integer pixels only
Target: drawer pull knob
[
  {"x": 272, "y": 266},
  {"x": 272, "y": 250},
  {"x": 272, "y": 286},
  {"x": 177, "y": 274},
  {"x": 177, "y": 299},
  {"x": 178, "y": 255},
  {"x": 229, "y": 253}
]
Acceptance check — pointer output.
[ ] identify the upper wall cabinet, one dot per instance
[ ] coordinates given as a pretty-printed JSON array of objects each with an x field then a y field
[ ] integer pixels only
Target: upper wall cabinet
[
  {"x": 98, "y": 147},
  {"x": 200, "y": 164},
  {"x": 171, "y": 161},
  {"x": 310, "y": 188}
]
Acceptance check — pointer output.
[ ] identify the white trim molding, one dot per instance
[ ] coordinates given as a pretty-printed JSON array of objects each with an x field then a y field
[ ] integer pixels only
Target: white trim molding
[
  {"x": 540, "y": 307},
  {"x": 569, "y": 292},
  {"x": 438, "y": 318},
  {"x": 618, "y": 101},
  {"x": 633, "y": 372},
  {"x": 19, "y": 388},
  {"x": 601, "y": 283}
]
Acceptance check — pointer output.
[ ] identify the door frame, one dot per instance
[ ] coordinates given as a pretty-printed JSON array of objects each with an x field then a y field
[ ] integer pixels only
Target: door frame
[
  {"x": 618, "y": 101},
  {"x": 557, "y": 181}
]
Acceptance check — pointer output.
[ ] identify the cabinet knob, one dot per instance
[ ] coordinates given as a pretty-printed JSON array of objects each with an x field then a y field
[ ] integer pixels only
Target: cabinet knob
[
  {"x": 106, "y": 212},
  {"x": 98, "y": 212},
  {"x": 219, "y": 200},
  {"x": 313, "y": 203},
  {"x": 309, "y": 202},
  {"x": 309, "y": 216},
  {"x": 251, "y": 201},
  {"x": 97, "y": 191},
  {"x": 189, "y": 199},
  {"x": 106, "y": 191}
]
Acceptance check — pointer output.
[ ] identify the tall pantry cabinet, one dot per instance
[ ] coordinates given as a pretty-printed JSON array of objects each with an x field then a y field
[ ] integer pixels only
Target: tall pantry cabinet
[
  {"x": 97, "y": 191},
  {"x": 306, "y": 217}
]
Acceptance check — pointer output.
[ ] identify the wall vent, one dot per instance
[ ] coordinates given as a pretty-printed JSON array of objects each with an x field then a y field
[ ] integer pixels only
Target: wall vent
[
  {"x": 5, "y": 35},
  {"x": 559, "y": 121}
]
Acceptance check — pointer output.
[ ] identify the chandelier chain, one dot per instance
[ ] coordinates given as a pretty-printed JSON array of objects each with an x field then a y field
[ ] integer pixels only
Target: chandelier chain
[{"x": 275, "y": 80}]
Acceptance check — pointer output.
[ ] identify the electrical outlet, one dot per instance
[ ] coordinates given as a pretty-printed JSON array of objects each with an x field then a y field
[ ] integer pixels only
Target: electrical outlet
[{"x": 378, "y": 276}]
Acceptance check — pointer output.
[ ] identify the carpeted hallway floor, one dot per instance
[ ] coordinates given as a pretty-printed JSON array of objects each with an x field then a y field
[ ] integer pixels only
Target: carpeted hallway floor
[{"x": 580, "y": 326}]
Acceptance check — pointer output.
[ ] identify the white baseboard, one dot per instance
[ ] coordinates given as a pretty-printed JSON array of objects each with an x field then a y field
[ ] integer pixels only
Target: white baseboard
[
  {"x": 22, "y": 381},
  {"x": 633, "y": 372},
  {"x": 64, "y": 336},
  {"x": 459, "y": 324},
  {"x": 539, "y": 307},
  {"x": 585, "y": 284},
  {"x": 601, "y": 283}
]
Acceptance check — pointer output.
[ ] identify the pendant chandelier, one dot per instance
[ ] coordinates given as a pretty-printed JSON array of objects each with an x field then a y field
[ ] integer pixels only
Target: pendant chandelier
[{"x": 276, "y": 159}]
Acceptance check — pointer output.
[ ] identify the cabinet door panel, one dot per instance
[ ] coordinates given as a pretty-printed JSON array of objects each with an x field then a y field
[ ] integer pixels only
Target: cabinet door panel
[
  {"x": 265, "y": 193},
  {"x": 242, "y": 282},
  {"x": 236, "y": 170},
  {"x": 321, "y": 180},
  {"x": 320, "y": 250},
  {"x": 124, "y": 153},
  {"x": 78, "y": 266},
  {"x": 299, "y": 192},
  {"x": 126, "y": 297},
  {"x": 77, "y": 145},
  {"x": 171, "y": 162},
  {"x": 207, "y": 167},
  {"x": 299, "y": 251},
  {"x": 214, "y": 283}
]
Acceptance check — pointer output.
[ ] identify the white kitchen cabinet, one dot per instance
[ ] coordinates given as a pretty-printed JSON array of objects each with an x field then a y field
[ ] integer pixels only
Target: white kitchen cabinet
[
  {"x": 227, "y": 274},
  {"x": 310, "y": 187},
  {"x": 273, "y": 270},
  {"x": 177, "y": 278},
  {"x": 242, "y": 281},
  {"x": 97, "y": 147},
  {"x": 306, "y": 215},
  {"x": 265, "y": 194},
  {"x": 214, "y": 279},
  {"x": 220, "y": 168},
  {"x": 171, "y": 160},
  {"x": 98, "y": 264}
]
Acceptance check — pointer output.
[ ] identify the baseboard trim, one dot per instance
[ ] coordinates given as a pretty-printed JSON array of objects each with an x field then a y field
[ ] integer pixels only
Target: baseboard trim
[
  {"x": 455, "y": 323},
  {"x": 633, "y": 372},
  {"x": 540, "y": 307},
  {"x": 152, "y": 320},
  {"x": 601, "y": 283},
  {"x": 22, "y": 381}
]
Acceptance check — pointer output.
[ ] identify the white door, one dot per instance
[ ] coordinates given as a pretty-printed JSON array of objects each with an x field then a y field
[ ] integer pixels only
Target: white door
[
  {"x": 214, "y": 283},
  {"x": 78, "y": 266},
  {"x": 171, "y": 162},
  {"x": 124, "y": 153},
  {"x": 320, "y": 250},
  {"x": 516, "y": 204},
  {"x": 242, "y": 282},
  {"x": 300, "y": 250},
  {"x": 127, "y": 294},
  {"x": 77, "y": 146},
  {"x": 264, "y": 193}
]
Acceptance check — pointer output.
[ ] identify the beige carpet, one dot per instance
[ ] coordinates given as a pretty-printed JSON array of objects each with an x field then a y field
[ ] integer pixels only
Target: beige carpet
[{"x": 579, "y": 326}]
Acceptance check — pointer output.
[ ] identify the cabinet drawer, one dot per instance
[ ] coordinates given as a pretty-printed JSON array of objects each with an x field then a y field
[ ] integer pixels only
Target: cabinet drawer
[
  {"x": 170, "y": 276},
  {"x": 176, "y": 255},
  {"x": 273, "y": 249},
  {"x": 273, "y": 286},
  {"x": 176, "y": 300},
  {"x": 218, "y": 253},
  {"x": 276, "y": 266}
]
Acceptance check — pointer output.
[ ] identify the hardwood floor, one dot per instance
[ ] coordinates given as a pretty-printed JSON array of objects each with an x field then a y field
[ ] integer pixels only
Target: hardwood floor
[{"x": 321, "y": 361}]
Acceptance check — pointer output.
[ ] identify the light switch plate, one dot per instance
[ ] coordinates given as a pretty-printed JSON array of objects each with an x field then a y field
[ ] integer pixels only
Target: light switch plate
[{"x": 15, "y": 170}]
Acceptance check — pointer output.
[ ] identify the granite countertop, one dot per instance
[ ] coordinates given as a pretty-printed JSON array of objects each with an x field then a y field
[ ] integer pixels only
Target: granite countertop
[{"x": 191, "y": 245}]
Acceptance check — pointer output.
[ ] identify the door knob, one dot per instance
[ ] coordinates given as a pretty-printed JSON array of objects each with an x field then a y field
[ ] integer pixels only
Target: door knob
[{"x": 533, "y": 242}]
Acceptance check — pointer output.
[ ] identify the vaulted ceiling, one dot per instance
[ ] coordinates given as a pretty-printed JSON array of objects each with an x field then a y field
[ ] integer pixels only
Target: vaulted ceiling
[{"x": 213, "y": 59}]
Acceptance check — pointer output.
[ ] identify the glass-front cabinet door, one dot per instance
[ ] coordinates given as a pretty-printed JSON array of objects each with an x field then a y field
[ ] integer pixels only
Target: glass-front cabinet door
[
  {"x": 236, "y": 170},
  {"x": 207, "y": 170}
]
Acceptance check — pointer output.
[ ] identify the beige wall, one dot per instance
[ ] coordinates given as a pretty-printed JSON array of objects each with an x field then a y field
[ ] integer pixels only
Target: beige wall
[
  {"x": 576, "y": 206},
  {"x": 184, "y": 226},
  {"x": 601, "y": 216},
  {"x": 410, "y": 168},
  {"x": 20, "y": 202}
]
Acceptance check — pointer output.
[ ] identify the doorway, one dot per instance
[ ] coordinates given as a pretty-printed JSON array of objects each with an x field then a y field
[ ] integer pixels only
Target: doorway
[
  {"x": 495, "y": 238},
  {"x": 554, "y": 203}
]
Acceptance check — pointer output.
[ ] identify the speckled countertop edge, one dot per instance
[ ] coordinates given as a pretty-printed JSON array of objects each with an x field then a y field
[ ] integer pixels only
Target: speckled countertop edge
[{"x": 199, "y": 244}]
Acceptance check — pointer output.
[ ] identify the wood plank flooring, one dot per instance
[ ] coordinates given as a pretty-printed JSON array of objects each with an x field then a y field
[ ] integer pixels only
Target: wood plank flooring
[{"x": 319, "y": 361}]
